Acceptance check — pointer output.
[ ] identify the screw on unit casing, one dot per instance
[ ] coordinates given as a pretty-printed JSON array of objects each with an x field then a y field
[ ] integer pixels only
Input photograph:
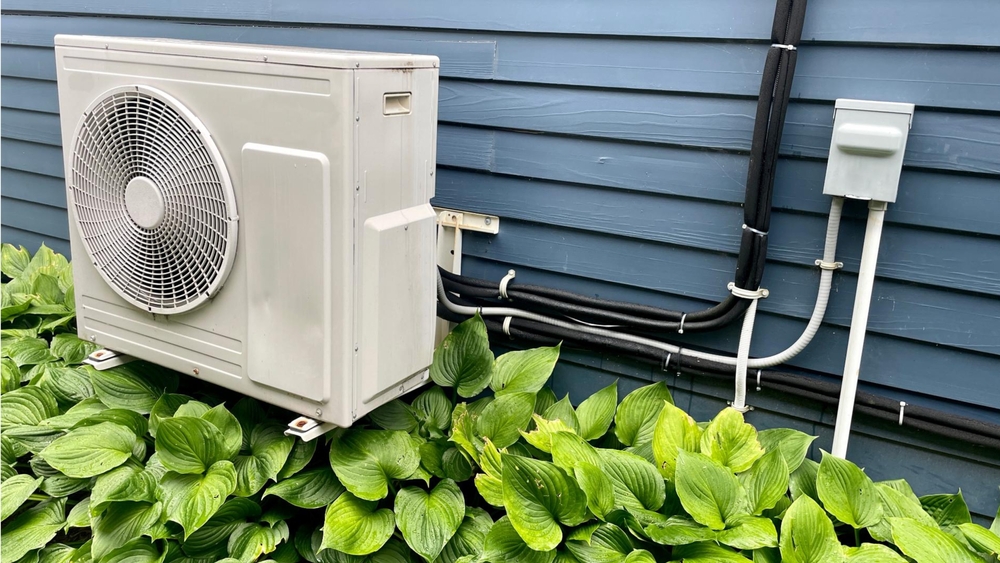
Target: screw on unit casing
[
  {"x": 488, "y": 220},
  {"x": 93, "y": 338},
  {"x": 354, "y": 416},
  {"x": 357, "y": 118},
  {"x": 319, "y": 412},
  {"x": 195, "y": 371}
]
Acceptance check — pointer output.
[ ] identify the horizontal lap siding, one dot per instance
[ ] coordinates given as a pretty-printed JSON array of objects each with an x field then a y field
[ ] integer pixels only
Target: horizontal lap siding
[{"x": 613, "y": 141}]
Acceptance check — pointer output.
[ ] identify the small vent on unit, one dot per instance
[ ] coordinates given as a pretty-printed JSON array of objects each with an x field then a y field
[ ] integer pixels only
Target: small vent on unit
[{"x": 153, "y": 200}]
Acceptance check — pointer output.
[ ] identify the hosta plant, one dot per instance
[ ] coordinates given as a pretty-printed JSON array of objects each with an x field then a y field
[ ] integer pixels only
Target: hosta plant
[{"x": 485, "y": 465}]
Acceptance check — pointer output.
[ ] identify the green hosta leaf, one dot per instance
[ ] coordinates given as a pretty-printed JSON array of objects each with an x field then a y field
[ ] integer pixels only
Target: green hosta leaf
[
  {"x": 32, "y": 529},
  {"x": 11, "y": 375},
  {"x": 597, "y": 486},
  {"x": 80, "y": 411},
  {"x": 433, "y": 407},
  {"x": 538, "y": 497},
  {"x": 750, "y": 533},
  {"x": 429, "y": 520},
  {"x": 793, "y": 444},
  {"x": 872, "y": 553},
  {"x": 640, "y": 556},
  {"x": 541, "y": 436},
  {"x": 191, "y": 408},
  {"x": 136, "y": 386},
  {"x": 139, "y": 550},
  {"x": 731, "y": 441},
  {"x": 463, "y": 431},
  {"x": 562, "y": 411},
  {"x": 607, "y": 542},
  {"x": 636, "y": 418},
  {"x": 28, "y": 351},
  {"x": 847, "y": 492},
  {"x": 269, "y": 450},
  {"x": 79, "y": 515},
  {"x": 995, "y": 527},
  {"x": 45, "y": 289},
  {"x": 250, "y": 541},
  {"x": 544, "y": 399},
  {"x": 503, "y": 420},
  {"x": 524, "y": 371},
  {"x": 394, "y": 415},
  {"x": 69, "y": 385},
  {"x": 677, "y": 530},
  {"x": 766, "y": 482},
  {"x": 464, "y": 359},
  {"x": 59, "y": 486},
  {"x": 366, "y": 460},
  {"x": 126, "y": 483},
  {"x": 568, "y": 449},
  {"x": 597, "y": 411},
  {"x": 10, "y": 451},
  {"x": 26, "y": 406},
  {"x": 14, "y": 491},
  {"x": 355, "y": 526},
  {"x": 121, "y": 523},
  {"x": 637, "y": 483},
  {"x": 210, "y": 540},
  {"x": 707, "y": 553},
  {"x": 470, "y": 537},
  {"x": 947, "y": 510},
  {"x": 32, "y": 438},
  {"x": 456, "y": 465},
  {"x": 896, "y": 504},
  {"x": 807, "y": 534},
  {"x": 230, "y": 428},
  {"x": 190, "y": 500},
  {"x": 164, "y": 408},
  {"x": 674, "y": 431},
  {"x": 189, "y": 445},
  {"x": 929, "y": 545},
  {"x": 432, "y": 456},
  {"x": 504, "y": 545},
  {"x": 14, "y": 260},
  {"x": 91, "y": 450},
  {"x": 709, "y": 491},
  {"x": 122, "y": 417},
  {"x": 13, "y": 305},
  {"x": 302, "y": 454},
  {"x": 315, "y": 488},
  {"x": 982, "y": 539},
  {"x": 802, "y": 481},
  {"x": 71, "y": 348},
  {"x": 491, "y": 489}
]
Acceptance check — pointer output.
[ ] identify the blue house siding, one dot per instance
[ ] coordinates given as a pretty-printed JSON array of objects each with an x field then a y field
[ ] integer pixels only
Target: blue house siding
[{"x": 611, "y": 137}]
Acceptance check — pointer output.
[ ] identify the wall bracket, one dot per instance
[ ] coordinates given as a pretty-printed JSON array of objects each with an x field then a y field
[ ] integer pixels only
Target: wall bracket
[{"x": 451, "y": 223}]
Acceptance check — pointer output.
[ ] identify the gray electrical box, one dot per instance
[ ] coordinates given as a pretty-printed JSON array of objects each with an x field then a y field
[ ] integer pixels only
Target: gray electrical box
[{"x": 866, "y": 152}]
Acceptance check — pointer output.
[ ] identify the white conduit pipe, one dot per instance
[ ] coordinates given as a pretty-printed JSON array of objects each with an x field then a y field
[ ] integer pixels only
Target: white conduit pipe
[
  {"x": 859, "y": 326},
  {"x": 746, "y": 335},
  {"x": 822, "y": 298}
]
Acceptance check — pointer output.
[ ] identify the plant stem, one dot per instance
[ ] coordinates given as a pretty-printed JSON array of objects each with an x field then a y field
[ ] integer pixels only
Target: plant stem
[{"x": 857, "y": 537}]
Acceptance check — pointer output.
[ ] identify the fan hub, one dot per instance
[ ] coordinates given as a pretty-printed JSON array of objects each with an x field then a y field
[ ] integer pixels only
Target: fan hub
[{"x": 144, "y": 202}]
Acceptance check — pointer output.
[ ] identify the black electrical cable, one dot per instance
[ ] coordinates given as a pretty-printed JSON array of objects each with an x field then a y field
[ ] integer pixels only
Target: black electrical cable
[
  {"x": 955, "y": 427},
  {"x": 772, "y": 106}
]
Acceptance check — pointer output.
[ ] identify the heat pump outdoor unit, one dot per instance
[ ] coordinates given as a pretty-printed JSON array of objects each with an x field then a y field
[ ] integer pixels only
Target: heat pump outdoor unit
[{"x": 255, "y": 216}]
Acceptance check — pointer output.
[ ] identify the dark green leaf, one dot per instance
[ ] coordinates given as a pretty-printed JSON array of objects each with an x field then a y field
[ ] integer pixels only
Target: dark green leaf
[
  {"x": 302, "y": 454},
  {"x": 470, "y": 538},
  {"x": 190, "y": 500},
  {"x": 32, "y": 529},
  {"x": 539, "y": 496},
  {"x": 394, "y": 415},
  {"x": 250, "y": 541},
  {"x": 189, "y": 445},
  {"x": 14, "y": 491},
  {"x": 503, "y": 420},
  {"x": 269, "y": 450},
  {"x": 464, "y": 359},
  {"x": 366, "y": 460},
  {"x": 26, "y": 406},
  {"x": 429, "y": 520},
  {"x": 562, "y": 411},
  {"x": 121, "y": 523},
  {"x": 91, "y": 450},
  {"x": 71, "y": 347},
  {"x": 136, "y": 386},
  {"x": 315, "y": 488},
  {"x": 504, "y": 545},
  {"x": 708, "y": 490}
]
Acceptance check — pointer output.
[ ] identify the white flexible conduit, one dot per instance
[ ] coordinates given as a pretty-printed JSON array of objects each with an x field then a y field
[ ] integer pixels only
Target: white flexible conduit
[{"x": 819, "y": 310}]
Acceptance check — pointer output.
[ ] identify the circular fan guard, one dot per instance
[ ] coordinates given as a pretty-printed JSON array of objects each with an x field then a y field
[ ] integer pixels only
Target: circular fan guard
[{"x": 153, "y": 200}]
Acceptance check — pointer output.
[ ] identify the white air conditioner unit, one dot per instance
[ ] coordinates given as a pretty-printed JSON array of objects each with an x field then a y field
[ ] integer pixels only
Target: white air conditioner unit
[{"x": 255, "y": 216}]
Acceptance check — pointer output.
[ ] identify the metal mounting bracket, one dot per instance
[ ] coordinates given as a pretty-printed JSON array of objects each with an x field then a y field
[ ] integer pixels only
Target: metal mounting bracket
[
  {"x": 307, "y": 428},
  {"x": 106, "y": 359},
  {"x": 451, "y": 223}
]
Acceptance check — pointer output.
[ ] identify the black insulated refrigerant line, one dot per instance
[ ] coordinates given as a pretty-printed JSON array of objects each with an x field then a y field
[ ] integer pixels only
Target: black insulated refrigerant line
[{"x": 772, "y": 105}]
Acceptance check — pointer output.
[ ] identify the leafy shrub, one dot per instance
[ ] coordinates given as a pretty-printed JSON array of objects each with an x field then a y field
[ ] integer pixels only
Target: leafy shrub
[{"x": 121, "y": 466}]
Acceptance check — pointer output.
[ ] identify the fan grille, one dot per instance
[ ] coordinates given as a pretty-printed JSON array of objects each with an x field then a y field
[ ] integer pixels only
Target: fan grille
[{"x": 153, "y": 200}]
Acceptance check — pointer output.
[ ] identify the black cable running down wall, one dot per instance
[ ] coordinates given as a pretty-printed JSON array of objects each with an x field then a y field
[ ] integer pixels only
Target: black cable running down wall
[
  {"x": 772, "y": 106},
  {"x": 946, "y": 425}
]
